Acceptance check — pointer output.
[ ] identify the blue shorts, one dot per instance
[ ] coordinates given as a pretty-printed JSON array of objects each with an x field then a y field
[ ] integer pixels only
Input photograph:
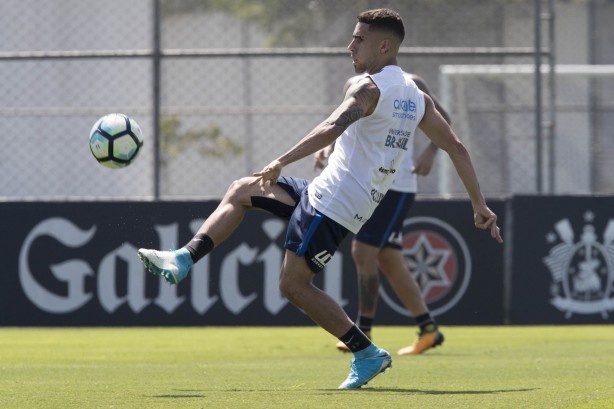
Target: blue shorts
[
  {"x": 310, "y": 234},
  {"x": 384, "y": 227}
]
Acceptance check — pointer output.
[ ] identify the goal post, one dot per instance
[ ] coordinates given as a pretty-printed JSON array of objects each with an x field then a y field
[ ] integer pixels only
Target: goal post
[{"x": 493, "y": 112}]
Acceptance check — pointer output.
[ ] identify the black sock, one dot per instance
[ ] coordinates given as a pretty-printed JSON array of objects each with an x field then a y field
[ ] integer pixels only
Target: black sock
[
  {"x": 199, "y": 246},
  {"x": 426, "y": 322},
  {"x": 364, "y": 323},
  {"x": 355, "y": 339}
]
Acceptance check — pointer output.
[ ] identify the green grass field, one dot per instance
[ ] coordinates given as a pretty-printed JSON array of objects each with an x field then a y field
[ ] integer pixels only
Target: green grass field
[{"x": 478, "y": 367}]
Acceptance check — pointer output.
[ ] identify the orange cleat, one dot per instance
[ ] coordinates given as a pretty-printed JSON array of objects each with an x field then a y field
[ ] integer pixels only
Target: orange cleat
[{"x": 426, "y": 341}]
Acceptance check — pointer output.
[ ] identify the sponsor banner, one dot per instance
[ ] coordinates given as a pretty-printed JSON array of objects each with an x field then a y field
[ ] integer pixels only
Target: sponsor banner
[
  {"x": 75, "y": 263},
  {"x": 458, "y": 267},
  {"x": 563, "y": 260}
]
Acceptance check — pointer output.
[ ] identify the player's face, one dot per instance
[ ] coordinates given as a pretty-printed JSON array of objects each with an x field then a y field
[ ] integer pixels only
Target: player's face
[{"x": 364, "y": 48}]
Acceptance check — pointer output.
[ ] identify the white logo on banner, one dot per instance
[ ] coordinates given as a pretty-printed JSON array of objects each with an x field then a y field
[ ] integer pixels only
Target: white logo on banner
[
  {"x": 439, "y": 258},
  {"x": 73, "y": 274},
  {"x": 582, "y": 270}
]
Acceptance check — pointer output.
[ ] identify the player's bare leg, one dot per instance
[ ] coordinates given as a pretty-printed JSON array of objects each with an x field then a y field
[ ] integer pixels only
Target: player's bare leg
[
  {"x": 296, "y": 284},
  {"x": 365, "y": 260},
  {"x": 175, "y": 265},
  {"x": 237, "y": 200},
  {"x": 392, "y": 265}
]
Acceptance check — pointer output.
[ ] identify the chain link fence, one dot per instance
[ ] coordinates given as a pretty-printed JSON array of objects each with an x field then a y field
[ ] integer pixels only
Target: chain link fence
[{"x": 221, "y": 87}]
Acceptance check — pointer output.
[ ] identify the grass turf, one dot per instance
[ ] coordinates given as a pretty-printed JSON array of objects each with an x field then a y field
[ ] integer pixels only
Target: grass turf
[{"x": 255, "y": 367}]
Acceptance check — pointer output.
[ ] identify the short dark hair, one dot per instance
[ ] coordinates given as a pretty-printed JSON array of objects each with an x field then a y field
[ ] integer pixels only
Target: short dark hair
[{"x": 384, "y": 19}]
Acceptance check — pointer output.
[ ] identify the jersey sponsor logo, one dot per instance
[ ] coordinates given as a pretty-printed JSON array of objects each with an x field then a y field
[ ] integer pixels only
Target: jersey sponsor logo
[
  {"x": 582, "y": 268},
  {"x": 376, "y": 195},
  {"x": 399, "y": 132},
  {"x": 406, "y": 105},
  {"x": 396, "y": 143},
  {"x": 407, "y": 108},
  {"x": 438, "y": 258},
  {"x": 404, "y": 115},
  {"x": 360, "y": 218},
  {"x": 386, "y": 171}
]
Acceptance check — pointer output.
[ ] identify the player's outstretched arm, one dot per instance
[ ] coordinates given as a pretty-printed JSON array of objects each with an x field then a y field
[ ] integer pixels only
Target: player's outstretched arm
[
  {"x": 437, "y": 129},
  {"x": 360, "y": 100},
  {"x": 424, "y": 162}
]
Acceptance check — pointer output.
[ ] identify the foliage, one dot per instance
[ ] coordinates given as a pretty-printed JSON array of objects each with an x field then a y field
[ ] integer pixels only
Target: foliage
[
  {"x": 306, "y": 23},
  {"x": 208, "y": 142},
  {"x": 288, "y": 23}
]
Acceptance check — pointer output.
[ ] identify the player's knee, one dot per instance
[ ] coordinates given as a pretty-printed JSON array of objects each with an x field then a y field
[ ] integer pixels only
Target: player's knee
[
  {"x": 384, "y": 263},
  {"x": 365, "y": 261},
  {"x": 293, "y": 289},
  {"x": 390, "y": 262},
  {"x": 288, "y": 288},
  {"x": 359, "y": 256},
  {"x": 239, "y": 189},
  {"x": 236, "y": 187}
]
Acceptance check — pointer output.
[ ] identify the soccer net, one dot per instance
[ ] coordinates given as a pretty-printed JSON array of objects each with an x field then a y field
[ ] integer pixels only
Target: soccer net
[{"x": 493, "y": 112}]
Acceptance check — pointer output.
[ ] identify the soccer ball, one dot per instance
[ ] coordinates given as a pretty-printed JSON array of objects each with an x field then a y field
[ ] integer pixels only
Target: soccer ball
[{"x": 116, "y": 140}]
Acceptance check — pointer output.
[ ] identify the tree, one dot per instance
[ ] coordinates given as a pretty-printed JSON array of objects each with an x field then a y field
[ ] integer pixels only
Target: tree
[
  {"x": 208, "y": 142},
  {"x": 288, "y": 23}
]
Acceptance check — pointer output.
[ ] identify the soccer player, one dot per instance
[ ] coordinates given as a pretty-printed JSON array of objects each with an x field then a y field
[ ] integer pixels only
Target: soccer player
[
  {"x": 345, "y": 194},
  {"x": 377, "y": 246}
]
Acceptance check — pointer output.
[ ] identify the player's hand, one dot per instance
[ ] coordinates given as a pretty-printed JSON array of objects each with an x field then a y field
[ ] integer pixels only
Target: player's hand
[
  {"x": 320, "y": 158},
  {"x": 484, "y": 218},
  {"x": 424, "y": 162},
  {"x": 270, "y": 173}
]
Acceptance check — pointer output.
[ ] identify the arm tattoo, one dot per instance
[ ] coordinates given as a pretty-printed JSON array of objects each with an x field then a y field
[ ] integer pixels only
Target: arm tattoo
[
  {"x": 358, "y": 102},
  {"x": 349, "y": 116}
]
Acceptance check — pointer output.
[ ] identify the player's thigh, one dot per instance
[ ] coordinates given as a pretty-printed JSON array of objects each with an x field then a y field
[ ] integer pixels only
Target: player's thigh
[{"x": 244, "y": 190}]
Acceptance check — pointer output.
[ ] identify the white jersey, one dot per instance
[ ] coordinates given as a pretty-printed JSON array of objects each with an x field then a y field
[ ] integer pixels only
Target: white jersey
[
  {"x": 370, "y": 152},
  {"x": 405, "y": 180}
]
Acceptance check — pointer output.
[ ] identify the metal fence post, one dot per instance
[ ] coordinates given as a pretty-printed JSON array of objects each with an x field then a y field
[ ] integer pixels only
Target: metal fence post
[
  {"x": 538, "y": 97},
  {"x": 156, "y": 56},
  {"x": 552, "y": 99}
]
